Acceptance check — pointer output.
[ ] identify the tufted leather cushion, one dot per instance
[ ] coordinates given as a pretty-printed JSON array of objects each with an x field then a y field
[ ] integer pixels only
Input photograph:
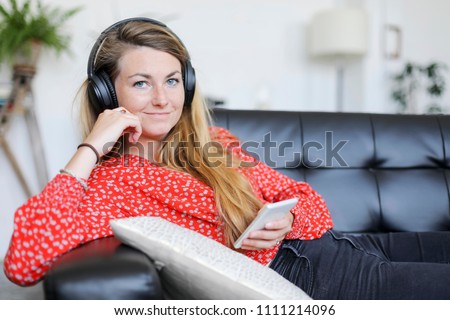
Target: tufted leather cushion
[{"x": 387, "y": 172}]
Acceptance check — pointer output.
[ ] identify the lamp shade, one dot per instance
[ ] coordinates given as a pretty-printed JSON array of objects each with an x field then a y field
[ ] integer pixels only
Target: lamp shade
[{"x": 339, "y": 32}]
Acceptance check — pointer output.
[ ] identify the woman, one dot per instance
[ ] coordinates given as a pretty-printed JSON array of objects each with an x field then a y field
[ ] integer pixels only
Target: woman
[{"x": 146, "y": 152}]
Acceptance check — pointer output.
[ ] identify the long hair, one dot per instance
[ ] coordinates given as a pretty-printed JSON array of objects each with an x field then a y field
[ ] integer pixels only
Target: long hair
[{"x": 184, "y": 147}]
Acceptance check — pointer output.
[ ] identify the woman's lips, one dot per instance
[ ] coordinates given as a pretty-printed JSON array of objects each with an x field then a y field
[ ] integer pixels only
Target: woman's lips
[{"x": 157, "y": 114}]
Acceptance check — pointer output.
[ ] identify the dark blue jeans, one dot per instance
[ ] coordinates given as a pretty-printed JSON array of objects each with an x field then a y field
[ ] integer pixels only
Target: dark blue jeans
[{"x": 404, "y": 265}]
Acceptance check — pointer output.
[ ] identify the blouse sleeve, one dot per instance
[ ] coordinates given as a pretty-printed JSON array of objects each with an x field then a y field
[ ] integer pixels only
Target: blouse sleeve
[
  {"x": 311, "y": 215},
  {"x": 46, "y": 226}
]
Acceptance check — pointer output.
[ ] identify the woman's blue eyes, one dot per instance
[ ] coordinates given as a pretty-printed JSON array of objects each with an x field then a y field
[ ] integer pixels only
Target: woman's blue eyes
[
  {"x": 139, "y": 84},
  {"x": 170, "y": 83}
]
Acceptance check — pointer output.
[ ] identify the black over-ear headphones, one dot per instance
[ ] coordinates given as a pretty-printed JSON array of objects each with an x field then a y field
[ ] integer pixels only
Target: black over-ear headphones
[{"x": 100, "y": 88}]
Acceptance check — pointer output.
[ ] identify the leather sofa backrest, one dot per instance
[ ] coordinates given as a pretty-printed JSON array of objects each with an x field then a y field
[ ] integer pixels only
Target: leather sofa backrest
[{"x": 377, "y": 172}]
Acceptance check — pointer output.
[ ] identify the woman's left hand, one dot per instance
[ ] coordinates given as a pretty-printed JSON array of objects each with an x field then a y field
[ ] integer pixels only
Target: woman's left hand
[{"x": 273, "y": 233}]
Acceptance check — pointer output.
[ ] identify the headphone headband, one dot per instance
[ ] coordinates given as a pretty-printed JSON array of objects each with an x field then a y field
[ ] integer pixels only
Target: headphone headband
[
  {"x": 104, "y": 34},
  {"x": 100, "y": 87}
]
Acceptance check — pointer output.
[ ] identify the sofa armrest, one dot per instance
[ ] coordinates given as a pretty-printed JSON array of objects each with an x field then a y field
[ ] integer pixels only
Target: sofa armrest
[{"x": 103, "y": 269}]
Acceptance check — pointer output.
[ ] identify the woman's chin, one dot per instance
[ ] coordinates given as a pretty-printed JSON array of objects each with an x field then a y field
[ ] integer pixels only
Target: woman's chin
[{"x": 155, "y": 135}]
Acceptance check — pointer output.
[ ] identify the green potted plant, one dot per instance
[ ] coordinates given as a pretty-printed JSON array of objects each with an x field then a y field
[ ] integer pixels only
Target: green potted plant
[
  {"x": 25, "y": 28},
  {"x": 414, "y": 77}
]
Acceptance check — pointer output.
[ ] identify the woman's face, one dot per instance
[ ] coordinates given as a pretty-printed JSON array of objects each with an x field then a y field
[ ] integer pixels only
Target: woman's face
[{"x": 150, "y": 85}]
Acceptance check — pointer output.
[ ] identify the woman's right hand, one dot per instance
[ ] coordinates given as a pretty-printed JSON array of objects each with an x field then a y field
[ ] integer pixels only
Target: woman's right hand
[{"x": 109, "y": 127}]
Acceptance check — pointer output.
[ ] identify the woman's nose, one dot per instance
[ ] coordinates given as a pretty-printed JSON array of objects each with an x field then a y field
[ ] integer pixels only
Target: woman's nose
[{"x": 159, "y": 96}]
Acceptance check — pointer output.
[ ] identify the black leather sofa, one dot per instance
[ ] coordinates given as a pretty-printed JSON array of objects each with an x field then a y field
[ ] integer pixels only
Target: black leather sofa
[{"x": 377, "y": 172}]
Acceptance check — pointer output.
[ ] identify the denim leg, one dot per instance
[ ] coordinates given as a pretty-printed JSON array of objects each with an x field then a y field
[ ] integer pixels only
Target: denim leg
[
  {"x": 294, "y": 266},
  {"x": 410, "y": 246},
  {"x": 418, "y": 281},
  {"x": 338, "y": 266},
  {"x": 331, "y": 267}
]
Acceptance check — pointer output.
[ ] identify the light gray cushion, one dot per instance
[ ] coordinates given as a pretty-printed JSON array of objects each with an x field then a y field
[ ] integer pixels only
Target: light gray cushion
[{"x": 193, "y": 266}]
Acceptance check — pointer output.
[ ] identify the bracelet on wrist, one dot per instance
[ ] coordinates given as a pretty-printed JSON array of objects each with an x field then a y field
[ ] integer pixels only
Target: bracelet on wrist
[
  {"x": 90, "y": 146},
  {"x": 79, "y": 180}
]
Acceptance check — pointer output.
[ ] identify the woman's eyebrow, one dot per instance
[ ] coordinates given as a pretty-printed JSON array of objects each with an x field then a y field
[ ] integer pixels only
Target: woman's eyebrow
[
  {"x": 173, "y": 73},
  {"x": 147, "y": 76},
  {"x": 144, "y": 75}
]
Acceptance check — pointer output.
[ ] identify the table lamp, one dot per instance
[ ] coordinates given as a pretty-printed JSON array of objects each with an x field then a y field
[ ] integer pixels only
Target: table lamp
[{"x": 339, "y": 34}]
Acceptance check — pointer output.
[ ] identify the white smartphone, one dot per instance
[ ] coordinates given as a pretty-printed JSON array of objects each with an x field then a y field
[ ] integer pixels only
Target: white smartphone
[{"x": 269, "y": 212}]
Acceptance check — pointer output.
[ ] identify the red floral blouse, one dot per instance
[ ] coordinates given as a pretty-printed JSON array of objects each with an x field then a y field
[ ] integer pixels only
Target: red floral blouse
[{"x": 64, "y": 215}]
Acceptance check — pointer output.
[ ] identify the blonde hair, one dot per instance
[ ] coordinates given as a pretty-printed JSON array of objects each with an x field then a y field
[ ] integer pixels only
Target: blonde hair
[{"x": 236, "y": 202}]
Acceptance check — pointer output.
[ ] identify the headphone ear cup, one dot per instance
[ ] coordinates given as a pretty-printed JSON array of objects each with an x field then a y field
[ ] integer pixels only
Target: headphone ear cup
[
  {"x": 189, "y": 83},
  {"x": 101, "y": 92},
  {"x": 111, "y": 101}
]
